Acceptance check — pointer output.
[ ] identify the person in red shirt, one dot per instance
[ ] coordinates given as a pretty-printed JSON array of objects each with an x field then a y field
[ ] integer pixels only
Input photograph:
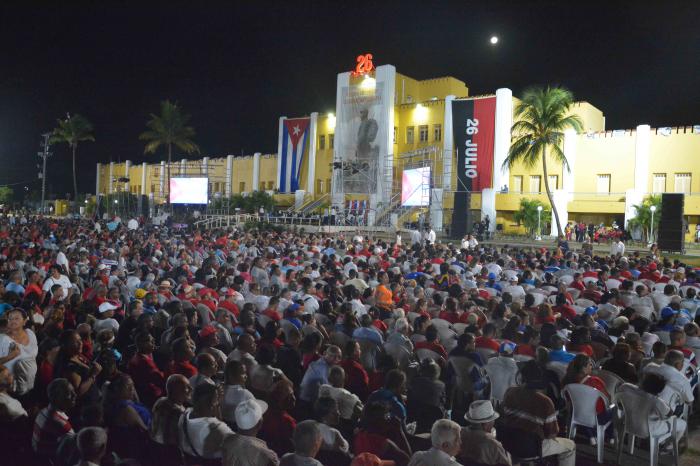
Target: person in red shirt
[
  {"x": 278, "y": 425},
  {"x": 578, "y": 282},
  {"x": 564, "y": 308},
  {"x": 148, "y": 379},
  {"x": 229, "y": 304},
  {"x": 182, "y": 357},
  {"x": 432, "y": 342},
  {"x": 356, "y": 378},
  {"x": 272, "y": 310},
  {"x": 592, "y": 293},
  {"x": 526, "y": 346},
  {"x": 486, "y": 340},
  {"x": 581, "y": 341},
  {"x": 579, "y": 371}
]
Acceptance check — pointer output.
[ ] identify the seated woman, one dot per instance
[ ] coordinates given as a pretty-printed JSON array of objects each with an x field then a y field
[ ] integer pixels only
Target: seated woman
[
  {"x": 72, "y": 365},
  {"x": 579, "y": 371},
  {"x": 426, "y": 396},
  {"x": 18, "y": 351},
  {"x": 620, "y": 363},
  {"x": 127, "y": 419},
  {"x": 382, "y": 435}
]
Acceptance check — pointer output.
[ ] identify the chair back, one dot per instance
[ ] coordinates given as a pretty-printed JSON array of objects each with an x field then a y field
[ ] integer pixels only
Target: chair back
[
  {"x": 287, "y": 327},
  {"x": 637, "y": 406},
  {"x": 486, "y": 353},
  {"x": 559, "y": 368},
  {"x": 521, "y": 444},
  {"x": 440, "y": 323},
  {"x": 644, "y": 311},
  {"x": 411, "y": 316},
  {"x": 611, "y": 380},
  {"x": 664, "y": 336},
  {"x": 584, "y": 303},
  {"x": 425, "y": 353},
  {"x": 574, "y": 292},
  {"x": 400, "y": 353},
  {"x": 448, "y": 338},
  {"x": 583, "y": 399},
  {"x": 613, "y": 283},
  {"x": 263, "y": 320},
  {"x": 368, "y": 353},
  {"x": 462, "y": 367},
  {"x": 522, "y": 358},
  {"x": 459, "y": 328}
]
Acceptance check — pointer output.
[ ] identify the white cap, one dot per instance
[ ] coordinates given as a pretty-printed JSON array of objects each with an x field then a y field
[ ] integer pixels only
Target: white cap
[
  {"x": 249, "y": 413},
  {"x": 106, "y": 307}
]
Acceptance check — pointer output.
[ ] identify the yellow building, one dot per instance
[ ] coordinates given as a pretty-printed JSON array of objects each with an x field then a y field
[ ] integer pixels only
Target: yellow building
[{"x": 611, "y": 170}]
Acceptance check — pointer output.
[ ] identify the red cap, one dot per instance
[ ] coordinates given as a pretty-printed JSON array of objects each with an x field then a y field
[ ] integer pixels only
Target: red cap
[
  {"x": 652, "y": 266},
  {"x": 207, "y": 331},
  {"x": 204, "y": 291}
]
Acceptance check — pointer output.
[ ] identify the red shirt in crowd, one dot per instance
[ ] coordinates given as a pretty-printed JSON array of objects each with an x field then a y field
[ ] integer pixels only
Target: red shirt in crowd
[
  {"x": 434, "y": 346},
  {"x": 356, "y": 378},
  {"x": 489, "y": 343},
  {"x": 148, "y": 379},
  {"x": 277, "y": 430}
]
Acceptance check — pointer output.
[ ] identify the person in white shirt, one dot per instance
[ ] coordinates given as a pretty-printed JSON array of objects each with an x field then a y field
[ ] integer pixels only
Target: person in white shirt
[
  {"x": 429, "y": 235},
  {"x": 235, "y": 393},
  {"x": 349, "y": 404},
  {"x": 10, "y": 409},
  {"x": 200, "y": 432},
  {"x": 57, "y": 278},
  {"x": 92, "y": 446},
  {"x": 415, "y": 237},
  {"x": 105, "y": 319},
  {"x": 328, "y": 415},
  {"x": 447, "y": 442},
  {"x": 676, "y": 383}
]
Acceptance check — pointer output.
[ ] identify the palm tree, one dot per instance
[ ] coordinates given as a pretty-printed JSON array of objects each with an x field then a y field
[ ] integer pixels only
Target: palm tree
[
  {"x": 169, "y": 128},
  {"x": 542, "y": 116},
  {"x": 71, "y": 131},
  {"x": 643, "y": 216},
  {"x": 530, "y": 217}
]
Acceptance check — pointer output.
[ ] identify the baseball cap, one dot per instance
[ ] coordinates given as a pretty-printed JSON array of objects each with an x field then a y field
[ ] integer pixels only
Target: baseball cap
[
  {"x": 206, "y": 331},
  {"x": 106, "y": 307},
  {"x": 492, "y": 276},
  {"x": 249, "y": 413},
  {"x": 140, "y": 293},
  {"x": 667, "y": 312},
  {"x": 507, "y": 347},
  {"x": 590, "y": 310}
]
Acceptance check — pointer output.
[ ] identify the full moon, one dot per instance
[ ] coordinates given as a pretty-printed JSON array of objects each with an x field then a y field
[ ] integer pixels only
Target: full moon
[{"x": 494, "y": 40}]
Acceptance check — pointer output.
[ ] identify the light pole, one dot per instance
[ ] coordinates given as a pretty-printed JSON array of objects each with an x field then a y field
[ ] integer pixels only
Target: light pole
[
  {"x": 539, "y": 229},
  {"x": 651, "y": 227}
]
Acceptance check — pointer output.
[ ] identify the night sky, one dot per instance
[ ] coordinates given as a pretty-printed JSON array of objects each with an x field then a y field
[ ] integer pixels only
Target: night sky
[{"x": 237, "y": 68}]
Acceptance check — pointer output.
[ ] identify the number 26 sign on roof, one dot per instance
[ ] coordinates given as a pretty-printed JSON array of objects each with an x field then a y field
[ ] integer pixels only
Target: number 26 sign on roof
[{"x": 364, "y": 65}]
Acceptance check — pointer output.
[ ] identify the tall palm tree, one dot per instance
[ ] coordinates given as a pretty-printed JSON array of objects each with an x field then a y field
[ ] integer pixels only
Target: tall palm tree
[
  {"x": 72, "y": 131},
  {"x": 168, "y": 129},
  {"x": 542, "y": 116}
]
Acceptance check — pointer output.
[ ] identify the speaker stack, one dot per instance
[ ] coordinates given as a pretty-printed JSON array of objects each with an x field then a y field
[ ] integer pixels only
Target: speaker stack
[{"x": 671, "y": 235}]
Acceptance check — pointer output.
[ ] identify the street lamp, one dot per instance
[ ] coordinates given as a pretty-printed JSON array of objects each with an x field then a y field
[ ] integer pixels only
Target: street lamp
[
  {"x": 651, "y": 227},
  {"x": 539, "y": 229}
]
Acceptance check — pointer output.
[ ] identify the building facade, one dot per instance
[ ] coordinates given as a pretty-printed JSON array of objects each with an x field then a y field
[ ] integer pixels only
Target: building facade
[{"x": 610, "y": 170}]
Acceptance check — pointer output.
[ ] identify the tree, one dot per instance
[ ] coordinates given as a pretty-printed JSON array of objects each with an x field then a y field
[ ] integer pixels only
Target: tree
[
  {"x": 642, "y": 219},
  {"x": 6, "y": 194},
  {"x": 73, "y": 130},
  {"x": 542, "y": 116},
  {"x": 168, "y": 129},
  {"x": 527, "y": 215}
]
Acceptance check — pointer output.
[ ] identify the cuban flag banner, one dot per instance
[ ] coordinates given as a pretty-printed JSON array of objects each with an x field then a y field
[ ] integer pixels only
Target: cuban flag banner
[{"x": 295, "y": 143}]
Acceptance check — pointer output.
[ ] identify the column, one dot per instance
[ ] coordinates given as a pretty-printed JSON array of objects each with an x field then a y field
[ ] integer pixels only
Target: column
[
  {"x": 488, "y": 206},
  {"x": 436, "y": 216},
  {"x": 162, "y": 179},
  {"x": 127, "y": 169},
  {"x": 642, "y": 150},
  {"x": 205, "y": 166},
  {"x": 561, "y": 201},
  {"x": 144, "y": 168},
  {"x": 311, "y": 163},
  {"x": 448, "y": 147},
  {"x": 386, "y": 76},
  {"x": 111, "y": 177},
  {"x": 97, "y": 179},
  {"x": 337, "y": 188},
  {"x": 256, "y": 171},
  {"x": 280, "y": 133},
  {"x": 183, "y": 167},
  {"x": 229, "y": 174},
  {"x": 568, "y": 179},
  {"x": 501, "y": 143}
]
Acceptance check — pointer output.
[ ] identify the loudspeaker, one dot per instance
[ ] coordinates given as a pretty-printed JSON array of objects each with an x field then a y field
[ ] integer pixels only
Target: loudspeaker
[{"x": 671, "y": 231}]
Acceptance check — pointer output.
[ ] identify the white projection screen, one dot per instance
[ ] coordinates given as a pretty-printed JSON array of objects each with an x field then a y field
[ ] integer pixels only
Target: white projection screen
[
  {"x": 415, "y": 187},
  {"x": 189, "y": 190}
]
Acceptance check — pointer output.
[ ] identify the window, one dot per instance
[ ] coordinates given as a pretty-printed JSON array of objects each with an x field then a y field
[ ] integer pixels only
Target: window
[
  {"x": 395, "y": 131},
  {"x": 319, "y": 186},
  {"x": 423, "y": 133},
  {"x": 603, "y": 186},
  {"x": 553, "y": 181},
  {"x": 682, "y": 183},
  {"x": 153, "y": 189},
  {"x": 409, "y": 134},
  {"x": 659, "y": 184},
  {"x": 517, "y": 183},
  {"x": 321, "y": 142},
  {"x": 270, "y": 185},
  {"x": 331, "y": 139},
  {"x": 241, "y": 187},
  {"x": 535, "y": 183},
  {"x": 437, "y": 133},
  {"x": 262, "y": 186}
]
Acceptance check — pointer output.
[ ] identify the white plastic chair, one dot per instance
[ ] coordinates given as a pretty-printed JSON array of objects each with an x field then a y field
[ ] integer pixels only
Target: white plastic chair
[
  {"x": 659, "y": 287},
  {"x": 584, "y": 303},
  {"x": 567, "y": 279},
  {"x": 448, "y": 338},
  {"x": 664, "y": 336},
  {"x": 539, "y": 298},
  {"x": 425, "y": 353},
  {"x": 440, "y": 324},
  {"x": 411, "y": 316},
  {"x": 639, "y": 408},
  {"x": 400, "y": 353},
  {"x": 644, "y": 311},
  {"x": 558, "y": 367},
  {"x": 586, "y": 280},
  {"x": 613, "y": 283},
  {"x": 611, "y": 380},
  {"x": 574, "y": 292},
  {"x": 491, "y": 291},
  {"x": 459, "y": 328},
  {"x": 522, "y": 358},
  {"x": 263, "y": 320},
  {"x": 486, "y": 353},
  {"x": 583, "y": 399}
]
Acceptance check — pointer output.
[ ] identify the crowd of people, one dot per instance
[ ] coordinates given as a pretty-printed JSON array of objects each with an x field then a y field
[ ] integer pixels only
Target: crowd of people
[{"x": 227, "y": 347}]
